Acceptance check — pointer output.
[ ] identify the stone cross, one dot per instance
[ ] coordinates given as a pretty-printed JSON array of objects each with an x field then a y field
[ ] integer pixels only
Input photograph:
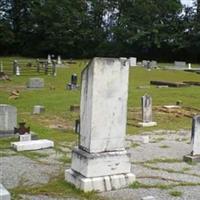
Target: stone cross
[
  {"x": 100, "y": 162},
  {"x": 195, "y": 138},
  {"x": 8, "y": 119},
  {"x": 146, "y": 103}
]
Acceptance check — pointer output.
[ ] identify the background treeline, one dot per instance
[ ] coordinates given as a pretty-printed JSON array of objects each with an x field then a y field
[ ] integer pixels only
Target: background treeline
[{"x": 155, "y": 29}]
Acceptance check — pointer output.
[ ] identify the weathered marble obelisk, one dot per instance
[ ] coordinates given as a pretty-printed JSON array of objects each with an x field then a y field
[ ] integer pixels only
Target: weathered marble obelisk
[
  {"x": 146, "y": 103},
  {"x": 100, "y": 162}
]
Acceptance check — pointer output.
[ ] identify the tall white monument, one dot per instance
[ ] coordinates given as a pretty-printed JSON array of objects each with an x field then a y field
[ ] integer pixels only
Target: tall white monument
[{"x": 100, "y": 162}]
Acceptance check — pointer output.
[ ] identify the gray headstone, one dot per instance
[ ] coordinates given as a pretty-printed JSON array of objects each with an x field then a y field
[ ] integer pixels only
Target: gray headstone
[
  {"x": 195, "y": 138},
  {"x": 180, "y": 64},
  {"x": 8, "y": 119},
  {"x": 146, "y": 102},
  {"x": 37, "y": 109},
  {"x": 153, "y": 64},
  {"x": 4, "y": 194},
  {"x": 35, "y": 83}
]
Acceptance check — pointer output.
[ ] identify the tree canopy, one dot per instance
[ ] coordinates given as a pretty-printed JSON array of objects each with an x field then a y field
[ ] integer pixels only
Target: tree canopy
[{"x": 153, "y": 29}]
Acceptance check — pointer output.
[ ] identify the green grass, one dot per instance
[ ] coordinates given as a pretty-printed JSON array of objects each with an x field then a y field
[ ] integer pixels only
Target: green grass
[
  {"x": 56, "y": 188},
  {"x": 176, "y": 193},
  {"x": 57, "y": 103}
]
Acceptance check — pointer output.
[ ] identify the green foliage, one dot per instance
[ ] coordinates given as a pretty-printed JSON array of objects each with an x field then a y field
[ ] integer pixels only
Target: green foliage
[{"x": 154, "y": 29}]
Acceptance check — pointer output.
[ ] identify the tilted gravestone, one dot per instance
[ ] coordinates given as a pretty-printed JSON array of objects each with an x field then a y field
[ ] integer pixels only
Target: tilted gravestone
[
  {"x": 100, "y": 162},
  {"x": 195, "y": 141},
  {"x": 146, "y": 103},
  {"x": 35, "y": 83},
  {"x": 8, "y": 119}
]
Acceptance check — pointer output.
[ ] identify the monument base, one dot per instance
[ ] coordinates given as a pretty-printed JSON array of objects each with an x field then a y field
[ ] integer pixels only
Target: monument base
[
  {"x": 147, "y": 124},
  {"x": 32, "y": 145},
  {"x": 4, "y": 194},
  {"x": 99, "y": 184},
  {"x": 192, "y": 159}
]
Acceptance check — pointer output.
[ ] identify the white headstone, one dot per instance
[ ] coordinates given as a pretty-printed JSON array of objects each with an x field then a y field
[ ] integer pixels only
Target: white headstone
[
  {"x": 37, "y": 109},
  {"x": 49, "y": 59},
  {"x": 133, "y": 61},
  {"x": 195, "y": 139},
  {"x": 189, "y": 66},
  {"x": 59, "y": 60},
  {"x": 8, "y": 119},
  {"x": 17, "y": 71},
  {"x": 4, "y": 194},
  {"x": 103, "y": 128}
]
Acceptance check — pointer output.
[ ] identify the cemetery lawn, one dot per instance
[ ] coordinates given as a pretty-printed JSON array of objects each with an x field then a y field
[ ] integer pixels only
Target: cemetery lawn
[{"x": 57, "y": 123}]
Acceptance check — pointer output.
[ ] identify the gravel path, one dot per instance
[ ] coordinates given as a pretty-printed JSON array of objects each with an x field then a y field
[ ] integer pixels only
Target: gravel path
[{"x": 158, "y": 163}]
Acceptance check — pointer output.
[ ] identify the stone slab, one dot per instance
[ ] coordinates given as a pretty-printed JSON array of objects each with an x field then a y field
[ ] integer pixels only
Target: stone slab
[
  {"x": 147, "y": 124},
  {"x": 4, "y": 194},
  {"x": 100, "y": 164},
  {"x": 148, "y": 198},
  {"x": 35, "y": 83},
  {"x": 99, "y": 184},
  {"x": 191, "y": 159},
  {"x": 32, "y": 145}
]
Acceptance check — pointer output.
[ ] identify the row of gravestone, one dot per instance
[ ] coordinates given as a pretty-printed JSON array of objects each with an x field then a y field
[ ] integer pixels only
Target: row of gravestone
[{"x": 100, "y": 162}]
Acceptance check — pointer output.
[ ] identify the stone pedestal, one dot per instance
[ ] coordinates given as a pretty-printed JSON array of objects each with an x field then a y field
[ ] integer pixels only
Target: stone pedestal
[
  {"x": 25, "y": 137},
  {"x": 100, "y": 162},
  {"x": 147, "y": 124},
  {"x": 194, "y": 156},
  {"x": 8, "y": 119},
  {"x": 4, "y": 194}
]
